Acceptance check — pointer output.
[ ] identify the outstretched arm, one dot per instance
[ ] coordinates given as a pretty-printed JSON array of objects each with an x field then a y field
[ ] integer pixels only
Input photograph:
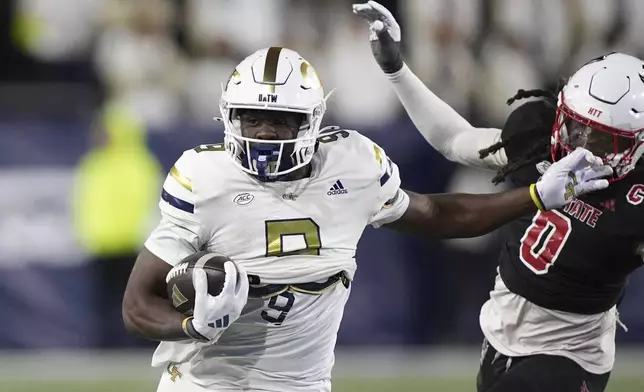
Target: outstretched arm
[
  {"x": 463, "y": 215},
  {"x": 442, "y": 127},
  {"x": 446, "y": 130}
]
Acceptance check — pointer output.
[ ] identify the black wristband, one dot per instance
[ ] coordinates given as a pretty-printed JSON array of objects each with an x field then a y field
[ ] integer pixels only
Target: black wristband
[
  {"x": 388, "y": 56},
  {"x": 190, "y": 330}
]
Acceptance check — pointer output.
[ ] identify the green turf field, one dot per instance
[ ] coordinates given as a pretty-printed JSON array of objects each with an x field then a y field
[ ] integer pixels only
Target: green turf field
[
  {"x": 449, "y": 369},
  {"x": 340, "y": 385}
]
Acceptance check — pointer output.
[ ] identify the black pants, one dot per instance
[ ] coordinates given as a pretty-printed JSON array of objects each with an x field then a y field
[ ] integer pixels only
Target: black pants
[{"x": 535, "y": 373}]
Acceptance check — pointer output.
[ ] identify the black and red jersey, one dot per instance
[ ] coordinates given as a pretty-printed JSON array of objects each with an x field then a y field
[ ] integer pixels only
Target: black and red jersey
[{"x": 577, "y": 258}]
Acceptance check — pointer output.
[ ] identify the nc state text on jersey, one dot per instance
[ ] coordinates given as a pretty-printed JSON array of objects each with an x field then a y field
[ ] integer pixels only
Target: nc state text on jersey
[{"x": 583, "y": 212}]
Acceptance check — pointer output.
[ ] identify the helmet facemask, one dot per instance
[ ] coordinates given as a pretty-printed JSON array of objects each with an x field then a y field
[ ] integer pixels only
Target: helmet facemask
[
  {"x": 618, "y": 148},
  {"x": 271, "y": 160}
]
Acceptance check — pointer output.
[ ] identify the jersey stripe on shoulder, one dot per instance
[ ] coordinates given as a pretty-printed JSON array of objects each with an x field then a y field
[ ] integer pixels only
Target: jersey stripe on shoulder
[
  {"x": 178, "y": 188},
  {"x": 177, "y": 203},
  {"x": 385, "y": 164},
  {"x": 384, "y": 178},
  {"x": 184, "y": 181},
  {"x": 378, "y": 152}
]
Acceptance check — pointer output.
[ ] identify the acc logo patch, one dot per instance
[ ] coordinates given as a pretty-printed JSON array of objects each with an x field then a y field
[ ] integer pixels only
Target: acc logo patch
[{"x": 243, "y": 198}]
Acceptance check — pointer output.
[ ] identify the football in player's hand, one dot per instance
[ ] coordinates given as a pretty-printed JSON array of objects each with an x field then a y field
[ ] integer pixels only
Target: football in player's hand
[{"x": 179, "y": 280}]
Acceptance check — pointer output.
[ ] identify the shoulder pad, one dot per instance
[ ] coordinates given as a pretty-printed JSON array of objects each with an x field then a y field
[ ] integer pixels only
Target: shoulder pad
[
  {"x": 359, "y": 148},
  {"x": 338, "y": 139},
  {"x": 178, "y": 186},
  {"x": 184, "y": 171}
]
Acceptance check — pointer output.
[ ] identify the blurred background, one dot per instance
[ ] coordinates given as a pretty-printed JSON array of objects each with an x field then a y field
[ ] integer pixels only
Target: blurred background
[{"x": 99, "y": 97}]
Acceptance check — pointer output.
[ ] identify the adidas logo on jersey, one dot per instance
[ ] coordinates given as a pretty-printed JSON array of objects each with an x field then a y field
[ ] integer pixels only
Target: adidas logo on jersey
[{"x": 337, "y": 189}]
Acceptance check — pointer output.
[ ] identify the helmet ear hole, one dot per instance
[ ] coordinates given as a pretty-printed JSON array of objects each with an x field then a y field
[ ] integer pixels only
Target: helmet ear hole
[{"x": 640, "y": 137}]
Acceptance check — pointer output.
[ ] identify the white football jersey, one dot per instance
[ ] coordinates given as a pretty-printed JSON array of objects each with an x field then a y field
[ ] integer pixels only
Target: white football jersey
[{"x": 284, "y": 232}]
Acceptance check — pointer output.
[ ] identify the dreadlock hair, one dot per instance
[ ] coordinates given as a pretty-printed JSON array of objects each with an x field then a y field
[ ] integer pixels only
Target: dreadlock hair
[{"x": 527, "y": 131}]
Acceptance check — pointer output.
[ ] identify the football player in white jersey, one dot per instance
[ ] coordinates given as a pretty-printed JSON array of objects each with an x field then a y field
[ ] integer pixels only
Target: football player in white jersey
[
  {"x": 551, "y": 319},
  {"x": 288, "y": 203}
]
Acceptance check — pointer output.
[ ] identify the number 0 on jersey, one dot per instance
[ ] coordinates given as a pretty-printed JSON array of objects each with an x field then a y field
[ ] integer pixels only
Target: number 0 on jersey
[{"x": 543, "y": 240}]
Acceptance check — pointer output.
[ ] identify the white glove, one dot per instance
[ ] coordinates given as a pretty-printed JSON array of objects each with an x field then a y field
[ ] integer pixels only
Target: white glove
[
  {"x": 212, "y": 315},
  {"x": 384, "y": 34},
  {"x": 574, "y": 175},
  {"x": 378, "y": 18}
]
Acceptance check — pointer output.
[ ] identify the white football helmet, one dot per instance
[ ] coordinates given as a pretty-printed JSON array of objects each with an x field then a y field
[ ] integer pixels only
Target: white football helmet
[
  {"x": 272, "y": 79},
  {"x": 601, "y": 108}
]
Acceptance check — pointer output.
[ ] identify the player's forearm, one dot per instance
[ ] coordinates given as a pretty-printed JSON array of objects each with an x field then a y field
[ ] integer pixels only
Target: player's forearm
[
  {"x": 474, "y": 215},
  {"x": 441, "y": 126},
  {"x": 463, "y": 215},
  {"x": 153, "y": 317}
]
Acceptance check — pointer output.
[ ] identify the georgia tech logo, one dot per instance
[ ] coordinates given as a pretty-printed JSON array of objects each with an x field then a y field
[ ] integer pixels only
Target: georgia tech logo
[{"x": 174, "y": 372}]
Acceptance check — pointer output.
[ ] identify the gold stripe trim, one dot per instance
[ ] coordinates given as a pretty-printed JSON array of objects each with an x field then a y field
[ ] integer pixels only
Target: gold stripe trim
[
  {"x": 184, "y": 323},
  {"x": 295, "y": 288},
  {"x": 275, "y": 293},
  {"x": 270, "y": 67},
  {"x": 378, "y": 154},
  {"x": 535, "y": 197},
  {"x": 181, "y": 179}
]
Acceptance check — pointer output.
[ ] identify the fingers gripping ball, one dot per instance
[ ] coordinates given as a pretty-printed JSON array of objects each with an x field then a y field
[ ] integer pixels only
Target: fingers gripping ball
[{"x": 179, "y": 283}]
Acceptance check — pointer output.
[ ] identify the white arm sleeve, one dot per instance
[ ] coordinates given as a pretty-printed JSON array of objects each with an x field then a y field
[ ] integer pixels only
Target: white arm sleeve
[{"x": 442, "y": 127}]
